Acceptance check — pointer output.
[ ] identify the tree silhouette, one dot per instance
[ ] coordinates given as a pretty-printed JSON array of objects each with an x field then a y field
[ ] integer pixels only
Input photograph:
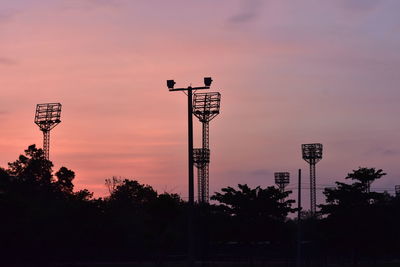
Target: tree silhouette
[
  {"x": 32, "y": 167},
  {"x": 64, "y": 180},
  {"x": 40, "y": 211},
  {"x": 133, "y": 193},
  {"x": 43, "y": 219},
  {"x": 353, "y": 223},
  {"x": 112, "y": 183},
  {"x": 366, "y": 176},
  {"x": 251, "y": 217},
  {"x": 257, "y": 202},
  {"x": 353, "y": 196}
]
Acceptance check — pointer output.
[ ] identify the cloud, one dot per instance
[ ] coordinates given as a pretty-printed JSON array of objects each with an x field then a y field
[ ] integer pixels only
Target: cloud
[
  {"x": 103, "y": 2},
  {"x": 261, "y": 172},
  {"x": 7, "y": 15},
  {"x": 359, "y": 6},
  {"x": 390, "y": 152},
  {"x": 91, "y": 4},
  {"x": 386, "y": 152},
  {"x": 247, "y": 173},
  {"x": 253, "y": 177},
  {"x": 250, "y": 10},
  {"x": 7, "y": 61},
  {"x": 107, "y": 156}
]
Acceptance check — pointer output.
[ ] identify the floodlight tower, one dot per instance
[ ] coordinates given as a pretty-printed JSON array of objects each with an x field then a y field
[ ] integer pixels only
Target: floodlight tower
[
  {"x": 47, "y": 117},
  {"x": 205, "y": 107},
  {"x": 312, "y": 153},
  {"x": 397, "y": 190},
  {"x": 282, "y": 180}
]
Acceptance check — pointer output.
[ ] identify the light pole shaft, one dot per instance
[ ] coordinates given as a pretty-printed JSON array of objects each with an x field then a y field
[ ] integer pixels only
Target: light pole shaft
[
  {"x": 313, "y": 194},
  {"x": 298, "y": 260},
  {"x": 190, "y": 146},
  {"x": 191, "y": 179},
  {"x": 46, "y": 144}
]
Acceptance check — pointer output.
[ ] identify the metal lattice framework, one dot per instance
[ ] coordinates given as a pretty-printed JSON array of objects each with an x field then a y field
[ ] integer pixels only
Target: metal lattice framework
[
  {"x": 47, "y": 117},
  {"x": 200, "y": 156},
  {"x": 397, "y": 190},
  {"x": 201, "y": 159},
  {"x": 312, "y": 153},
  {"x": 282, "y": 180},
  {"x": 206, "y": 107}
]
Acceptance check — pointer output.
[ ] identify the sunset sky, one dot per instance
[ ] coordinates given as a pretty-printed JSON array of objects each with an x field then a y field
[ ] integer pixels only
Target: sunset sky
[{"x": 290, "y": 72}]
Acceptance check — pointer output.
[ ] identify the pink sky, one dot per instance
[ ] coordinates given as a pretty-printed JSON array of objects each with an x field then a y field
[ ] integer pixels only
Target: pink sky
[{"x": 290, "y": 72}]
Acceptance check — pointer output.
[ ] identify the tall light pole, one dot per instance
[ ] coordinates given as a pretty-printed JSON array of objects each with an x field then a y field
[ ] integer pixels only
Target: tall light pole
[
  {"x": 312, "y": 153},
  {"x": 189, "y": 92},
  {"x": 47, "y": 117}
]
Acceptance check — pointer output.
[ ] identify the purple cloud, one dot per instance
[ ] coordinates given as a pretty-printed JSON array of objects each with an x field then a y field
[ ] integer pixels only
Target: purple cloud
[
  {"x": 250, "y": 10},
  {"x": 91, "y": 4},
  {"x": 7, "y": 14},
  {"x": 359, "y": 6}
]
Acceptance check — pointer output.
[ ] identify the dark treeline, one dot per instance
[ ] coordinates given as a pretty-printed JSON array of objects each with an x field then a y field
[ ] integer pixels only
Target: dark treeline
[{"x": 44, "y": 219}]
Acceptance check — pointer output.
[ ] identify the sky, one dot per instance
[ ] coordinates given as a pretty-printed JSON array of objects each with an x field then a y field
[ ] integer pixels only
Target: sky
[{"x": 289, "y": 72}]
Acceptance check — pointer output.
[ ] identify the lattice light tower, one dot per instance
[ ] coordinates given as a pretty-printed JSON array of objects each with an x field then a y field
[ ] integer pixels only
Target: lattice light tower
[
  {"x": 282, "y": 180},
  {"x": 205, "y": 107},
  {"x": 201, "y": 159},
  {"x": 312, "y": 153},
  {"x": 47, "y": 117},
  {"x": 397, "y": 190}
]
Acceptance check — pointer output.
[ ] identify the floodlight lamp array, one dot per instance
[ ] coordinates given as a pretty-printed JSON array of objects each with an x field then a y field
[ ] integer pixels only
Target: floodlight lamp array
[
  {"x": 282, "y": 178},
  {"x": 207, "y": 84},
  {"x": 312, "y": 152},
  {"x": 397, "y": 190},
  {"x": 206, "y": 106},
  {"x": 47, "y": 115}
]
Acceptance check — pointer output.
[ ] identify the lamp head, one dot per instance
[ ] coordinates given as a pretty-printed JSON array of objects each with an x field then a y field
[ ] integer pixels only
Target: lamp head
[
  {"x": 170, "y": 84},
  {"x": 207, "y": 81}
]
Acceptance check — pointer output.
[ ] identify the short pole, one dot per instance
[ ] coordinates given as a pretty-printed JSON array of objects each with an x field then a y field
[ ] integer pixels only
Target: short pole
[{"x": 298, "y": 261}]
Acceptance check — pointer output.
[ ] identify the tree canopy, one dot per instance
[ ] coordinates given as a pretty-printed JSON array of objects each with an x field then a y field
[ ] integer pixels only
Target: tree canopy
[
  {"x": 41, "y": 212},
  {"x": 258, "y": 202}
]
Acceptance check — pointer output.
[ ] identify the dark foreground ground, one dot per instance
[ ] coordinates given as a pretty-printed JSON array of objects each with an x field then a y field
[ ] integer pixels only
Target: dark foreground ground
[{"x": 201, "y": 264}]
